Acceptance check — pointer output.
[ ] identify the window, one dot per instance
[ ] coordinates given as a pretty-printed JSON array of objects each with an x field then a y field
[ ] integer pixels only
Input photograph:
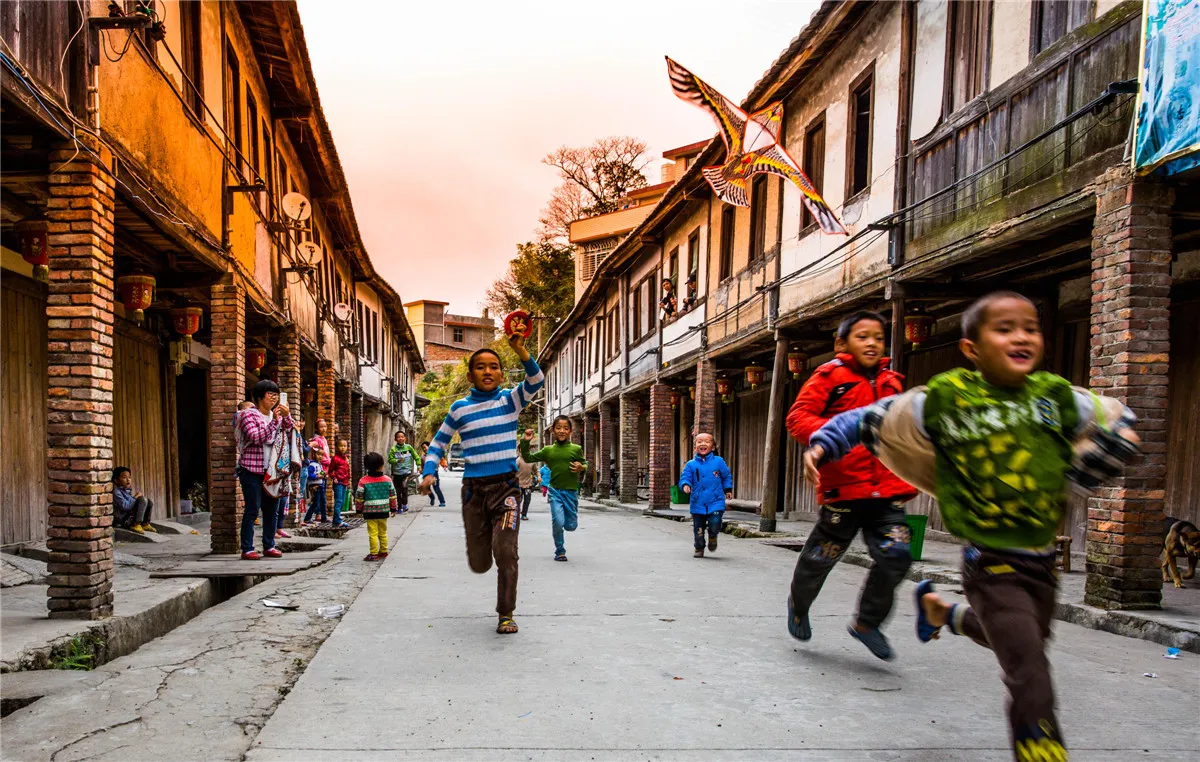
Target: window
[
  {"x": 725, "y": 267},
  {"x": 268, "y": 168},
  {"x": 233, "y": 109},
  {"x": 758, "y": 218},
  {"x": 968, "y": 51},
  {"x": 642, "y": 312},
  {"x": 673, "y": 270},
  {"x": 614, "y": 333},
  {"x": 858, "y": 149},
  {"x": 1052, "y": 19},
  {"x": 694, "y": 255},
  {"x": 814, "y": 164},
  {"x": 193, "y": 71},
  {"x": 458, "y": 335},
  {"x": 252, "y": 132}
]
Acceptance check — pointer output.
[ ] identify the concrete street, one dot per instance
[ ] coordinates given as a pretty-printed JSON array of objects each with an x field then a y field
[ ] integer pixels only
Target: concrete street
[{"x": 634, "y": 650}]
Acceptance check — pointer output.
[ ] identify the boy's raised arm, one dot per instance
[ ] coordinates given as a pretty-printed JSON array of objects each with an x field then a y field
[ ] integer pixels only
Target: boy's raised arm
[
  {"x": 440, "y": 443},
  {"x": 530, "y": 457},
  {"x": 534, "y": 378}
]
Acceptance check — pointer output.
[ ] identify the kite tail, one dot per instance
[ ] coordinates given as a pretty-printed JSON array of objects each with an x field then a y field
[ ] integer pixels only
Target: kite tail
[{"x": 825, "y": 217}]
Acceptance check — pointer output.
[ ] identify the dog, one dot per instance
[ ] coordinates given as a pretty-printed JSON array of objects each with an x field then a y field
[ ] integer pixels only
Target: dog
[{"x": 1182, "y": 539}]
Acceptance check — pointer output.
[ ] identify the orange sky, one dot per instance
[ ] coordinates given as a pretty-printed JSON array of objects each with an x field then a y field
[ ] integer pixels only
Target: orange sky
[{"x": 442, "y": 112}]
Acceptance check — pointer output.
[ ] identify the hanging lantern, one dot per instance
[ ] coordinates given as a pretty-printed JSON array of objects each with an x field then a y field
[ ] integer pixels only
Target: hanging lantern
[
  {"x": 256, "y": 358},
  {"x": 918, "y": 327},
  {"x": 307, "y": 395},
  {"x": 755, "y": 375},
  {"x": 137, "y": 294},
  {"x": 186, "y": 320},
  {"x": 676, "y": 398},
  {"x": 692, "y": 393},
  {"x": 35, "y": 247},
  {"x": 724, "y": 387},
  {"x": 796, "y": 362}
]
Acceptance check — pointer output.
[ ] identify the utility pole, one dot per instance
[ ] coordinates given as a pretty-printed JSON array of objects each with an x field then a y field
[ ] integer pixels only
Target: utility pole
[{"x": 770, "y": 502}]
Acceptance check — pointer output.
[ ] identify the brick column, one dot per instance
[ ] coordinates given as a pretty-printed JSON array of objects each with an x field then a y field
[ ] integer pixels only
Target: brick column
[
  {"x": 327, "y": 410},
  {"x": 589, "y": 451},
  {"x": 341, "y": 393},
  {"x": 79, "y": 429},
  {"x": 289, "y": 365},
  {"x": 705, "y": 421},
  {"x": 627, "y": 460},
  {"x": 227, "y": 378},
  {"x": 660, "y": 446},
  {"x": 1130, "y": 344},
  {"x": 603, "y": 468},
  {"x": 357, "y": 436}
]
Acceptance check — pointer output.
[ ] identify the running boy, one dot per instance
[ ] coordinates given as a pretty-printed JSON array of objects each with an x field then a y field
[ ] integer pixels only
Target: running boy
[
  {"x": 402, "y": 457},
  {"x": 566, "y": 462},
  {"x": 375, "y": 499},
  {"x": 1002, "y": 456},
  {"x": 706, "y": 478},
  {"x": 486, "y": 422},
  {"x": 855, "y": 493}
]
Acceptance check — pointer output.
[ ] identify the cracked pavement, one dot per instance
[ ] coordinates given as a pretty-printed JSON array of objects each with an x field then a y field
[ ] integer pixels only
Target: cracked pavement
[{"x": 205, "y": 689}]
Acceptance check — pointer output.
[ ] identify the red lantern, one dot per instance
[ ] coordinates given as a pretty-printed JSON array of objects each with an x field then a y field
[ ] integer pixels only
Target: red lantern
[
  {"x": 724, "y": 387},
  {"x": 137, "y": 294},
  {"x": 307, "y": 395},
  {"x": 256, "y": 358},
  {"x": 796, "y": 362},
  {"x": 918, "y": 327},
  {"x": 755, "y": 375},
  {"x": 35, "y": 247},
  {"x": 186, "y": 320},
  {"x": 676, "y": 398}
]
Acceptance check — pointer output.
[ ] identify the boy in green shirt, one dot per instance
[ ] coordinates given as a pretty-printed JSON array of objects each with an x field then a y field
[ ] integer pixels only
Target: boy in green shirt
[
  {"x": 998, "y": 447},
  {"x": 566, "y": 462},
  {"x": 403, "y": 459}
]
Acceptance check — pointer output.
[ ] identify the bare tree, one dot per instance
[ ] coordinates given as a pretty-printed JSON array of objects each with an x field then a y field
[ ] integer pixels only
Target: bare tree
[
  {"x": 567, "y": 204},
  {"x": 604, "y": 171}
]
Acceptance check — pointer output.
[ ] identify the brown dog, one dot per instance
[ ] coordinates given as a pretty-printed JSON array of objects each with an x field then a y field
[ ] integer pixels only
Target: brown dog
[{"x": 1183, "y": 539}]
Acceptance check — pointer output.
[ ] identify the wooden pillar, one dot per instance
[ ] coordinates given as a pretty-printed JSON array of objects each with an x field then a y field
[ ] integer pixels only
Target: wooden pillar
[
  {"x": 897, "y": 334},
  {"x": 79, "y": 312},
  {"x": 1130, "y": 346},
  {"x": 660, "y": 446},
  {"x": 773, "y": 453},
  {"x": 228, "y": 384}
]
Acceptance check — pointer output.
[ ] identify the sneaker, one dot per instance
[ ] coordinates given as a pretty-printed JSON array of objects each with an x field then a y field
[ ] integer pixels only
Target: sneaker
[
  {"x": 874, "y": 641},
  {"x": 252, "y": 555},
  {"x": 342, "y": 525},
  {"x": 283, "y": 534},
  {"x": 147, "y": 527},
  {"x": 699, "y": 553},
  {"x": 712, "y": 543},
  {"x": 441, "y": 505},
  {"x": 371, "y": 557},
  {"x": 798, "y": 626},
  {"x": 273, "y": 553},
  {"x": 136, "y": 528},
  {"x": 382, "y": 555},
  {"x": 524, "y": 517}
]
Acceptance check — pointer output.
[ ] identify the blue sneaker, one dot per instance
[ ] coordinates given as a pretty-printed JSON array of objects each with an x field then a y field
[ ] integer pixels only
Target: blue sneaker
[
  {"x": 798, "y": 626},
  {"x": 925, "y": 630},
  {"x": 874, "y": 641}
]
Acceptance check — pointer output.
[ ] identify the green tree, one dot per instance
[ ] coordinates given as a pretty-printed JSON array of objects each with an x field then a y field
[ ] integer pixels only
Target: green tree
[{"x": 539, "y": 280}]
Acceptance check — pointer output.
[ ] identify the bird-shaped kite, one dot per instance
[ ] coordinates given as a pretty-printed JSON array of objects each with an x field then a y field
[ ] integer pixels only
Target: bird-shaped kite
[{"x": 751, "y": 147}]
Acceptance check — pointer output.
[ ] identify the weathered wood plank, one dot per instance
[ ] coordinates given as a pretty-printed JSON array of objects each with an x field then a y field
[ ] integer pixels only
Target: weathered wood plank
[{"x": 23, "y": 420}]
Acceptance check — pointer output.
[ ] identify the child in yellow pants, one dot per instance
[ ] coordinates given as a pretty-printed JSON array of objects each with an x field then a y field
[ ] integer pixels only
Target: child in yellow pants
[{"x": 375, "y": 500}]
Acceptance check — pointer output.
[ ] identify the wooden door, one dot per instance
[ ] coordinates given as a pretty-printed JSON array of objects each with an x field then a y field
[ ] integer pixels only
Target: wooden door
[
  {"x": 751, "y": 443},
  {"x": 139, "y": 426},
  {"x": 23, "y": 371},
  {"x": 1183, "y": 414}
]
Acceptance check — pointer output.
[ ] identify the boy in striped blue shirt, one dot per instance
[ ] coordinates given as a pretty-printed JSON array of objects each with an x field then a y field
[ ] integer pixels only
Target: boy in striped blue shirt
[{"x": 486, "y": 422}]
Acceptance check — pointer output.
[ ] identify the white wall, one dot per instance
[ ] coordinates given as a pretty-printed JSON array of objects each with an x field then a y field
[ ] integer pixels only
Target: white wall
[{"x": 929, "y": 67}]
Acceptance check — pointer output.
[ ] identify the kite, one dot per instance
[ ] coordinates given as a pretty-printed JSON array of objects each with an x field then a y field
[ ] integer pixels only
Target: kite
[{"x": 751, "y": 145}]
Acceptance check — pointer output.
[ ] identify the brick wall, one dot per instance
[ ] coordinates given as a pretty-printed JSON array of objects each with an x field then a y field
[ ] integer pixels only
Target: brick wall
[
  {"x": 589, "y": 452},
  {"x": 288, "y": 370},
  {"x": 661, "y": 429},
  {"x": 356, "y": 436},
  {"x": 327, "y": 411},
  {"x": 627, "y": 461},
  {"x": 1130, "y": 345},
  {"x": 705, "y": 421},
  {"x": 605, "y": 435},
  {"x": 440, "y": 352},
  {"x": 227, "y": 380},
  {"x": 80, "y": 389}
]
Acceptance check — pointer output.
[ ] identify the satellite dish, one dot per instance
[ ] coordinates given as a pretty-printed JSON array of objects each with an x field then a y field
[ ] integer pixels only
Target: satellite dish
[
  {"x": 310, "y": 252},
  {"x": 296, "y": 207},
  {"x": 342, "y": 312}
]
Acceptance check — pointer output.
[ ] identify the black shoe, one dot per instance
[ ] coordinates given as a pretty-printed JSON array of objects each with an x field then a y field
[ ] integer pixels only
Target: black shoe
[
  {"x": 699, "y": 553},
  {"x": 712, "y": 543}
]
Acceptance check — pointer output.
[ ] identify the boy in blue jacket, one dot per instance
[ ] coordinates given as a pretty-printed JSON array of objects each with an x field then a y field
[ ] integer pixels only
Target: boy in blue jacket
[{"x": 707, "y": 480}]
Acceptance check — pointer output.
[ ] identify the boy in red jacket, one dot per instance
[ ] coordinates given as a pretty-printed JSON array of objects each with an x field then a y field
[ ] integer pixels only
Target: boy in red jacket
[{"x": 856, "y": 492}]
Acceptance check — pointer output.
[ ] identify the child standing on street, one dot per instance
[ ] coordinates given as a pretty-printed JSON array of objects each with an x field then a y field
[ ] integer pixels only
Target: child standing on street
[
  {"x": 486, "y": 422},
  {"x": 339, "y": 471},
  {"x": 1004, "y": 449},
  {"x": 437, "y": 478},
  {"x": 708, "y": 482},
  {"x": 566, "y": 462},
  {"x": 857, "y": 492},
  {"x": 544, "y": 478},
  {"x": 402, "y": 457},
  {"x": 527, "y": 477},
  {"x": 375, "y": 499}
]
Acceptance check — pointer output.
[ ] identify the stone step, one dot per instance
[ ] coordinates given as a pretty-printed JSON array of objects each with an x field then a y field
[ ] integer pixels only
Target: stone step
[
  {"x": 121, "y": 534},
  {"x": 170, "y": 527}
]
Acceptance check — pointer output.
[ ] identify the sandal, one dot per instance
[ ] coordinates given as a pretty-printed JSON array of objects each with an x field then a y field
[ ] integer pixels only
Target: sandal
[
  {"x": 925, "y": 630},
  {"x": 507, "y": 626}
]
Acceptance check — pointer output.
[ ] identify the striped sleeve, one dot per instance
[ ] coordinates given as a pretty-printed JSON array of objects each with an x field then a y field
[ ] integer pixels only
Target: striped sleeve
[
  {"x": 440, "y": 443},
  {"x": 534, "y": 379}
]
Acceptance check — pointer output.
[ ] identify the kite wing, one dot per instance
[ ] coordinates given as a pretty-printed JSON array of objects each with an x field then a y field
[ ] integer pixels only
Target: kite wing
[
  {"x": 776, "y": 161},
  {"x": 770, "y": 118},
  {"x": 730, "y": 119},
  {"x": 731, "y": 191}
]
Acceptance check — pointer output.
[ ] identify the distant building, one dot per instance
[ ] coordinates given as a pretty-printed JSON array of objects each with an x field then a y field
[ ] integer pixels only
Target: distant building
[{"x": 444, "y": 337}]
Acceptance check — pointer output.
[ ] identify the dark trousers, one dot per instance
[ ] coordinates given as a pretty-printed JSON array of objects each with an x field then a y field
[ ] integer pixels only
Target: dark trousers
[
  {"x": 1012, "y": 601},
  {"x": 400, "y": 482},
  {"x": 706, "y": 523},
  {"x": 882, "y": 523},
  {"x": 436, "y": 489},
  {"x": 257, "y": 498},
  {"x": 316, "y": 506},
  {"x": 526, "y": 496},
  {"x": 492, "y": 519},
  {"x": 138, "y": 514}
]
